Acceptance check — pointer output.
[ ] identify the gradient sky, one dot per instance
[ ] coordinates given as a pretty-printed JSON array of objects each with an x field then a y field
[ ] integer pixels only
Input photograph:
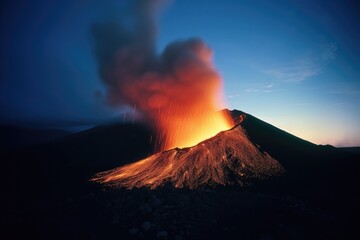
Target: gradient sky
[{"x": 294, "y": 64}]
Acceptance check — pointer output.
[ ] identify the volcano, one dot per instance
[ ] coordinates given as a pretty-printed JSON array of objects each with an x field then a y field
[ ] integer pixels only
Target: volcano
[
  {"x": 315, "y": 196},
  {"x": 225, "y": 159}
]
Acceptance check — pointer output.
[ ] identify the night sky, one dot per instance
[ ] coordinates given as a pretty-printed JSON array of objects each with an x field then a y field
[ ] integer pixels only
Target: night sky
[{"x": 294, "y": 64}]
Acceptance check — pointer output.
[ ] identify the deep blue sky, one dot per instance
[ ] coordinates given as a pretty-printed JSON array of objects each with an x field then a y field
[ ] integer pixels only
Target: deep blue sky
[{"x": 294, "y": 64}]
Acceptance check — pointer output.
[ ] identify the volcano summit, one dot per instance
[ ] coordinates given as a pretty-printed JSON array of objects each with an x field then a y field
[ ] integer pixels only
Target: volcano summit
[{"x": 225, "y": 159}]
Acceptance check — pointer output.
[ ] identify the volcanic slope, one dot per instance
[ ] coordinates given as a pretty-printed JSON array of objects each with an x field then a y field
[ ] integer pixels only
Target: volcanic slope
[
  {"x": 325, "y": 175},
  {"x": 225, "y": 159}
]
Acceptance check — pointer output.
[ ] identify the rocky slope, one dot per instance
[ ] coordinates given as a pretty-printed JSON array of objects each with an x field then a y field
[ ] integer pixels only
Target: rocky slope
[{"x": 225, "y": 159}]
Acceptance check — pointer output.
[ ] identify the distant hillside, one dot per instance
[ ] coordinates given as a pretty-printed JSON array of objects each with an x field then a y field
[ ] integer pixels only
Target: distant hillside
[
  {"x": 11, "y": 136},
  {"x": 355, "y": 150}
]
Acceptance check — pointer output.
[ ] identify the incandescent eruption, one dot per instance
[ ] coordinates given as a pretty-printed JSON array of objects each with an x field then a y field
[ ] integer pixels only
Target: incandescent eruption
[{"x": 179, "y": 93}]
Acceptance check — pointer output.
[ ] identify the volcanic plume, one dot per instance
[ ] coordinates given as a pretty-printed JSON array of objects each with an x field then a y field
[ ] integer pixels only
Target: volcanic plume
[{"x": 178, "y": 91}]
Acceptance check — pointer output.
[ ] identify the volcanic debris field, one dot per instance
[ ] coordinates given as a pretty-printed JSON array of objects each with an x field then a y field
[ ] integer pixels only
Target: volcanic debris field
[{"x": 48, "y": 194}]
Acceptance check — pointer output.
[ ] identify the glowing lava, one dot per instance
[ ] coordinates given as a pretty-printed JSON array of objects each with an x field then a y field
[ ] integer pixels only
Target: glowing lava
[
  {"x": 198, "y": 127},
  {"x": 183, "y": 128},
  {"x": 228, "y": 158}
]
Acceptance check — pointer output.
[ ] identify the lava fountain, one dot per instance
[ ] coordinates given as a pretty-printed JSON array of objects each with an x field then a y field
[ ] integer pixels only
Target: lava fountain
[{"x": 178, "y": 92}]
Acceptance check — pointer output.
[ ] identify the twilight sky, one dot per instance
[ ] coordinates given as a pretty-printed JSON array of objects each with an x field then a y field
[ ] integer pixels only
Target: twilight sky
[{"x": 294, "y": 64}]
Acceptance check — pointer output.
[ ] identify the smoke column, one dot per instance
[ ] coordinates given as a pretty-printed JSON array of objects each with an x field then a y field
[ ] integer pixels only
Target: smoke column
[{"x": 178, "y": 91}]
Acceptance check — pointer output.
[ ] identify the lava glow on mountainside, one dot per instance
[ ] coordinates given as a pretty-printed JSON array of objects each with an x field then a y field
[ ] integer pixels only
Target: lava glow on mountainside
[{"x": 227, "y": 158}]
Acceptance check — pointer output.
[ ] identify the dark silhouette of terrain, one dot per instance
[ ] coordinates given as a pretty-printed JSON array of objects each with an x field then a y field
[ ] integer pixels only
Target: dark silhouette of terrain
[
  {"x": 355, "y": 150},
  {"x": 13, "y": 137},
  {"x": 48, "y": 196}
]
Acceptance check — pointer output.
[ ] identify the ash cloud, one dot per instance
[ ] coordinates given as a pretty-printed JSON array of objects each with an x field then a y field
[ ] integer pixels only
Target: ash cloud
[
  {"x": 114, "y": 40},
  {"x": 171, "y": 86}
]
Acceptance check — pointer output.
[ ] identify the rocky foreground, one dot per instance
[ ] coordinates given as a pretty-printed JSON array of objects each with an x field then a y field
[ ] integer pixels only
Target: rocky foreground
[{"x": 185, "y": 214}]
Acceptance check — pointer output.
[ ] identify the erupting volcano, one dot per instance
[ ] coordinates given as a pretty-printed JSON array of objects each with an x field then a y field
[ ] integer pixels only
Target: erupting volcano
[{"x": 179, "y": 94}]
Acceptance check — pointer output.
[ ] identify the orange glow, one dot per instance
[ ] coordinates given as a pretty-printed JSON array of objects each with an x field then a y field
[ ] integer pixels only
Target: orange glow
[{"x": 186, "y": 129}]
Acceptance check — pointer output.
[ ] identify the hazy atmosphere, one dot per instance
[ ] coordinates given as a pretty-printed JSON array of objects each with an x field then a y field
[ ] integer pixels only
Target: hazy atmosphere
[{"x": 293, "y": 64}]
